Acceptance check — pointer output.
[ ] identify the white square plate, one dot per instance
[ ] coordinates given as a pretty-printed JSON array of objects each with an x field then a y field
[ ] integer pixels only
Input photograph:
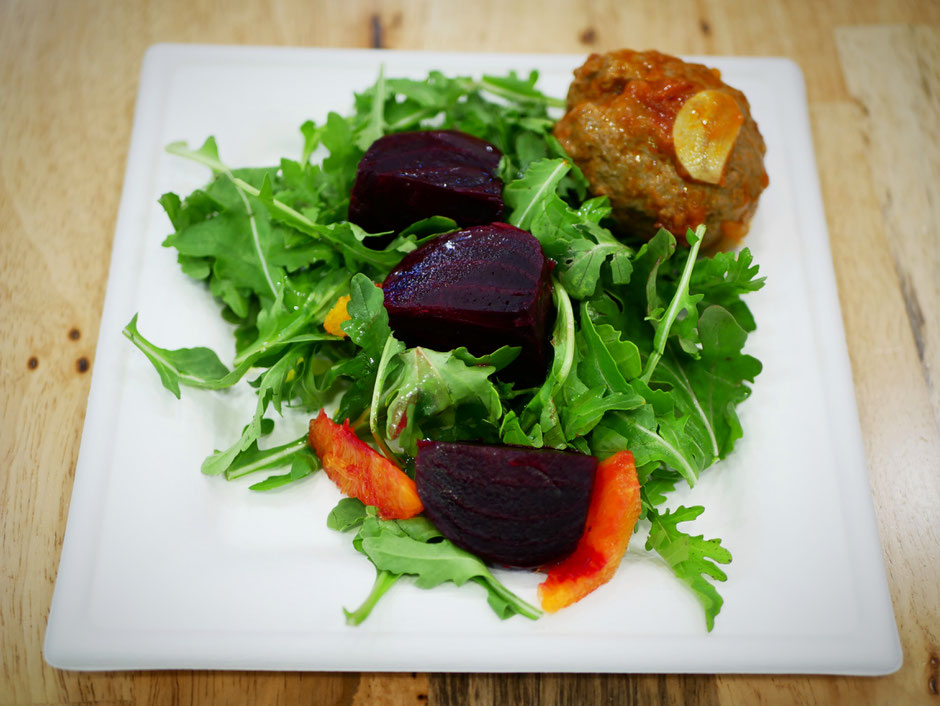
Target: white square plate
[{"x": 163, "y": 567}]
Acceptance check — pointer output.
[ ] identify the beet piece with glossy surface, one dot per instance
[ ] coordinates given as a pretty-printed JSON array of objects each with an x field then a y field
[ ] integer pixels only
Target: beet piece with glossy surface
[
  {"x": 481, "y": 287},
  {"x": 508, "y": 505},
  {"x": 408, "y": 176}
]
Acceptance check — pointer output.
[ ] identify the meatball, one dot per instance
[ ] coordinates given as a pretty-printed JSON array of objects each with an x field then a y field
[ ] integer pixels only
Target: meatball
[{"x": 621, "y": 129}]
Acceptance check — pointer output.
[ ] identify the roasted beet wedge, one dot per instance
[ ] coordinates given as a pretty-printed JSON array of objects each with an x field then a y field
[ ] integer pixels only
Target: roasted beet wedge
[
  {"x": 413, "y": 175},
  {"x": 508, "y": 505},
  {"x": 482, "y": 287}
]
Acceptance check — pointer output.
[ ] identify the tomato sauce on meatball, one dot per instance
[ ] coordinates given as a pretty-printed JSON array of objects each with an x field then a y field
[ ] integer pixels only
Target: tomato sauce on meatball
[{"x": 619, "y": 129}]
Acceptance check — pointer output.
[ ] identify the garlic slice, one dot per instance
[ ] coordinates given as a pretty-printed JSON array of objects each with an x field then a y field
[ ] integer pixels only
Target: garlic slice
[{"x": 704, "y": 134}]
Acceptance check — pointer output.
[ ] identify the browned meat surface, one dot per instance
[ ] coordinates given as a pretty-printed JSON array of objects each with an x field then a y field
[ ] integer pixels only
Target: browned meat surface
[{"x": 618, "y": 129}]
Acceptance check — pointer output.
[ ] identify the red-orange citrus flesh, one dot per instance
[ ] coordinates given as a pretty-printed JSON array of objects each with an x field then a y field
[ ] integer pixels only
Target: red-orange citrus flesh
[
  {"x": 360, "y": 471},
  {"x": 612, "y": 515}
]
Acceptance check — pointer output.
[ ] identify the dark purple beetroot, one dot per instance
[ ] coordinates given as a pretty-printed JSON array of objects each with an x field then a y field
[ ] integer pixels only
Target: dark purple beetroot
[
  {"x": 508, "y": 505},
  {"x": 482, "y": 287},
  {"x": 409, "y": 176}
]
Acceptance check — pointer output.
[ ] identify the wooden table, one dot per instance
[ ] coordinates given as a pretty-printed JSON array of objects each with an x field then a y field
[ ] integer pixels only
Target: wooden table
[{"x": 68, "y": 80}]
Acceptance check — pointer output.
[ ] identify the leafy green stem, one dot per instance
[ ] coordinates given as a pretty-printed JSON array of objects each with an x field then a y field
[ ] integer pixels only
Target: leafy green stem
[
  {"x": 538, "y": 414},
  {"x": 271, "y": 458},
  {"x": 491, "y": 85},
  {"x": 256, "y": 241},
  {"x": 384, "y": 580},
  {"x": 388, "y": 351},
  {"x": 498, "y": 589},
  {"x": 675, "y": 307},
  {"x": 375, "y": 126},
  {"x": 410, "y": 119},
  {"x": 566, "y": 314}
]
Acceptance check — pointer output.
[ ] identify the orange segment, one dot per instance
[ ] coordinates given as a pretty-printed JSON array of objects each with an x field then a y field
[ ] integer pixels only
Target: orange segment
[
  {"x": 614, "y": 511},
  {"x": 704, "y": 134},
  {"x": 361, "y": 472},
  {"x": 337, "y": 316}
]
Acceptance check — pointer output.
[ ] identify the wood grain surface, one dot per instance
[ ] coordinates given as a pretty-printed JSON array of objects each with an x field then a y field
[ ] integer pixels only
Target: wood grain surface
[{"x": 68, "y": 81}]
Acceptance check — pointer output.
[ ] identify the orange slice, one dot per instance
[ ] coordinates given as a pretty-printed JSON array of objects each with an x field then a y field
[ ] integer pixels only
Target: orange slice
[
  {"x": 360, "y": 471},
  {"x": 337, "y": 316},
  {"x": 612, "y": 515}
]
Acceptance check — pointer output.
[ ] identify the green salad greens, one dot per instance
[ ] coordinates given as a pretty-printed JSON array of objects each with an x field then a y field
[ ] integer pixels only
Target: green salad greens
[{"x": 647, "y": 341}]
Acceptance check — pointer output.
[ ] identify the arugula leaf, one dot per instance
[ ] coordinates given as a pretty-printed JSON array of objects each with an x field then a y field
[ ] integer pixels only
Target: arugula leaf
[
  {"x": 581, "y": 259},
  {"x": 433, "y": 560},
  {"x": 197, "y": 367},
  {"x": 528, "y": 196},
  {"x": 304, "y": 463},
  {"x": 583, "y": 413},
  {"x": 201, "y": 367},
  {"x": 420, "y": 232},
  {"x": 652, "y": 437},
  {"x": 312, "y": 135},
  {"x": 511, "y": 432},
  {"x": 573, "y": 238},
  {"x": 345, "y": 238},
  {"x": 368, "y": 321},
  {"x": 368, "y": 328},
  {"x": 725, "y": 276},
  {"x": 695, "y": 369},
  {"x": 348, "y": 514},
  {"x": 540, "y": 419},
  {"x": 270, "y": 391},
  {"x": 690, "y": 558},
  {"x": 252, "y": 459},
  {"x": 436, "y": 395},
  {"x": 258, "y": 230},
  {"x": 518, "y": 123},
  {"x": 682, "y": 303},
  {"x": 498, "y": 359},
  {"x": 514, "y": 88},
  {"x": 415, "y": 547},
  {"x": 655, "y": 484},
  {"x": 709, "y": 389},
  {"x": 384, "y": 580},
  {"x": 606, "y": 360},
  {"x": 375, "y": 127},
  {"x": 338, "y": 170},
  {"x": 386, "y": 362},
  {"x": 279, "y": 324}
]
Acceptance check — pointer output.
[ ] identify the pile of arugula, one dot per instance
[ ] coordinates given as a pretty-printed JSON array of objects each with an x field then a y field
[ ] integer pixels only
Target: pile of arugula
[{"x": 647, "y": 339}]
